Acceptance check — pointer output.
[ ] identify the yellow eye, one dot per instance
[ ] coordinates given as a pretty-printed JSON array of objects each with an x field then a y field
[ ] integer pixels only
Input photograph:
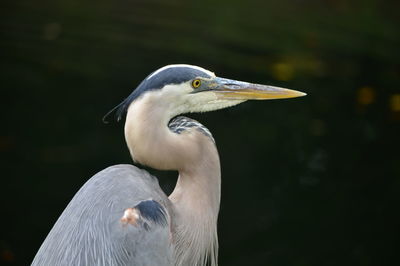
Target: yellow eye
[{"x": 196, "y": 83}]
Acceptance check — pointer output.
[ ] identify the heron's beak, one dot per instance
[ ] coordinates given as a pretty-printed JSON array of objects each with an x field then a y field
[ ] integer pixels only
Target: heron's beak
[{"x": 239, "y": 90}]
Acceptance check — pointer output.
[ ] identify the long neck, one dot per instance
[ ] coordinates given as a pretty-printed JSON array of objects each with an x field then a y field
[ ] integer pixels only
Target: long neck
[{"x": 196, "y": 197}]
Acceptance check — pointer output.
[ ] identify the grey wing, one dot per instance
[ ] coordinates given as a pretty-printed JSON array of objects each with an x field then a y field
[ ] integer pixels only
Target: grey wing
[{"x": 119, "y": 217}]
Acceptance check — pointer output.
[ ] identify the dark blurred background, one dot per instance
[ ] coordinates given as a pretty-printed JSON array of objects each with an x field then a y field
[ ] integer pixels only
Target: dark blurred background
[{"x": 307, "y": 181}]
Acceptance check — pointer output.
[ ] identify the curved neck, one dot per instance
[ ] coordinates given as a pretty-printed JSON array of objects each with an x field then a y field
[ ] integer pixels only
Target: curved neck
[
  {"x": 196, "y": 197},
  {"x": 196, "y": 200}
]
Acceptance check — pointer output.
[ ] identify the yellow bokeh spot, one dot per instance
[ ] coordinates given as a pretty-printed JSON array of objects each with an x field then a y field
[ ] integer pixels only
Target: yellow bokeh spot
[
  {"x": 395, "y": 102},
  {"x": 282, "y": 71},
  {"x": 365, "y": 95}
]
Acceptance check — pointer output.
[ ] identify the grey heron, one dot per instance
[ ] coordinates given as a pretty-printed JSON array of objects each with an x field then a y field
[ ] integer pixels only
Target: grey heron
[{"x": 121, "y": 216}]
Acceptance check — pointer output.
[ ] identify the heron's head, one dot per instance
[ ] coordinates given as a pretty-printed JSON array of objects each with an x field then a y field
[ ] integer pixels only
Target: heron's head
[{"x": 186, "y": 89}]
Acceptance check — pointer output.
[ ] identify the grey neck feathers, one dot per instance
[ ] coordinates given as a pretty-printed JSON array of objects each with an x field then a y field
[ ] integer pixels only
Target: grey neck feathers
[{"x": 187, "y": 146}]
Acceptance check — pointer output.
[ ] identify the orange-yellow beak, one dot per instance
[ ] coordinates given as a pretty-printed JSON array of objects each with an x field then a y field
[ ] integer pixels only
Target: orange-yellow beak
[{"x": 239, "y": 90}]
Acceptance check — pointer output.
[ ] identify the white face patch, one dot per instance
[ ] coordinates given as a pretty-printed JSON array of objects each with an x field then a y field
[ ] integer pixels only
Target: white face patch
[
  {"x": 178, "y": 99},
  {"x": 182, "y": 65},
  {"x": 207, "y": 101}
]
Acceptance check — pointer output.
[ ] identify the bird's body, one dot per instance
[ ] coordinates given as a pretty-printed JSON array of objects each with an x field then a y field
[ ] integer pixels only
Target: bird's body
[
  {"x": 90, "y": 230},
  {"x": 121, "y": 216}
]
